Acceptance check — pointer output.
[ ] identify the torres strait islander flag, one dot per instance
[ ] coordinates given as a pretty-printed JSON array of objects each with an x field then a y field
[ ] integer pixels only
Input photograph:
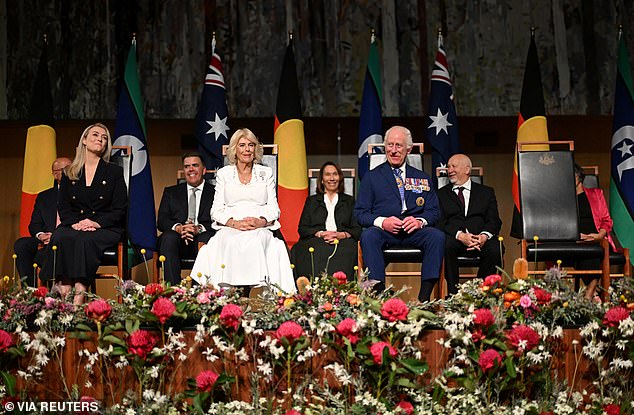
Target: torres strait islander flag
[
  {"x": 40, "y": 149},
  {"x": 622, "y": 157},
  {"x": 531, "y": 123},
  {"x": 289, "y": 136}
]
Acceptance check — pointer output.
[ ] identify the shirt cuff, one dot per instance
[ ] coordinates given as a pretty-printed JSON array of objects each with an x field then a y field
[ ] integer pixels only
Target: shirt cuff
[
  {"x": 489, "y": 235},
  {"x": 378, "y": 222},
  {"x": 175, "y": 225},
  {"x": 423, "y": 222}
]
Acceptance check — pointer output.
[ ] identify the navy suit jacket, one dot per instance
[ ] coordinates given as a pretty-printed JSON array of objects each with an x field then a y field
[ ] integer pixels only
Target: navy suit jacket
[
  {"x": 482, "y": 214},
  {"x": 173, "y": 207},
  {"x": 379, "y": 196},
  {"x": 44, "y": 216}
]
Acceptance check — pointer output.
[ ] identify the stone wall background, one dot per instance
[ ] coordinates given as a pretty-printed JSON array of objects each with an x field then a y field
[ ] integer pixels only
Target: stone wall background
[{"x": 486, "y": 42}]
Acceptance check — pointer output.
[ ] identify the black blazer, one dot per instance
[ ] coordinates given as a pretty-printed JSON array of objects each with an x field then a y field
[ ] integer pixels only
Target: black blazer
[
  {"x": 173, "y": 207},
  {"x": 44, "y": 216},
  {"x": 105, "y": 201},
  {"x": 482, "y": 214},
  {"x": 314, "y": 215}
]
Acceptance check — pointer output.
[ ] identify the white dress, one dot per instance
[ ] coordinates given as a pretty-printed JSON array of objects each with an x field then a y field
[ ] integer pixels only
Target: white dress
[{"x": 234, "y": 257}]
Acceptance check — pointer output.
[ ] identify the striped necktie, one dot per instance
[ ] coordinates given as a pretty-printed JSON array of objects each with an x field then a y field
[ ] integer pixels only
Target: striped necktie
[{"x": 401, "y": 186}]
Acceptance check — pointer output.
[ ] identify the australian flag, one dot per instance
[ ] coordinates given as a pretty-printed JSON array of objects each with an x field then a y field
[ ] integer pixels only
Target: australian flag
[
  {"x": 212, "y": 131},
  {"x": 442, "y": 124},
  {"x": 622, "y": 157}
]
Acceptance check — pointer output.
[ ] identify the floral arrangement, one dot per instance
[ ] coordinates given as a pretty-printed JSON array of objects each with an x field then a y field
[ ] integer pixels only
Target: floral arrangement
[{"x": 335, "y": 347}]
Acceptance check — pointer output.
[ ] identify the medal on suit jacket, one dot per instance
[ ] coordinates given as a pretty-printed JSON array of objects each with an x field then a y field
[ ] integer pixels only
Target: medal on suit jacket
[{"x": 416, "y": 185}]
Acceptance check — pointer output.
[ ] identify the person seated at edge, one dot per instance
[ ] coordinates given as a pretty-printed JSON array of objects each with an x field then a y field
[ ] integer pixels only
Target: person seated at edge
[
  {"x": 244, "y": 252},
  {"x": 326, "y": 217},
  {"x": 470, "y": 220},
  {"x": 92, "y": 208},
  {"x": 184, "y": 217},
  {"x": 44, "y": 220},
  {"x": 595, "y": 224},
  {"x": 397, "y": 206}
]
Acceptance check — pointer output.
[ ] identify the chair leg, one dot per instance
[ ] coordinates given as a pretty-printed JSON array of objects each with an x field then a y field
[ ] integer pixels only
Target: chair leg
[
  {"x": 440, "y": 291},
  {"x": 359, "y": 262},
  {"x": 605, "y": 269}
]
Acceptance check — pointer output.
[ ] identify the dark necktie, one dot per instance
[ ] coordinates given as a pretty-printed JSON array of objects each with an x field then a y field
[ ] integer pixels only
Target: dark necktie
[
  {"x": 401, "y": 186},
  {"x": 461, "y": 196}
]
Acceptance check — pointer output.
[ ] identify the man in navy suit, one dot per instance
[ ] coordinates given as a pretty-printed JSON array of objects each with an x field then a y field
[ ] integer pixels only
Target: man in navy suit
[
  {"x": 470, "y": 220},
  {"x": 185, "y": 219},
  {"x": 397, "y": 206},
  {"x": 43, "y": 223}
]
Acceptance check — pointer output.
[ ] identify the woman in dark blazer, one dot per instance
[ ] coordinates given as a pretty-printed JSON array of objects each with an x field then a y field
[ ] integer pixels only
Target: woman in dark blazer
[
  {"x": 327, "y": 216},
  {"x": 92, "y": 208}
]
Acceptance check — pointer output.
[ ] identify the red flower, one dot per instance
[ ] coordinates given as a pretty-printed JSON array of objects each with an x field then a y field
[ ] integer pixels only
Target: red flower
[
  {"x": 542, "y": 296},
  {"x": 547, "y": 413},
  {"x": 154, "y": 289},
  {"x": 489, "y": 359},
  {"x": 98, "y": 310},
  {"x": 292, "y": 412},
  {"x": 406, "y": 406},
  {"x": 394, "y": 309},
  {"x": 523, "y": 337},
  {"x": 5, "y": 341},
  {"x": 612, "y": 409},
  {"x": 377, "y": 351},
  {"x": 483, "y": 317},
  {"x": 492, "y": 280},
  {"x": 615, "y": 315},
  {"x": 206, "y": 380},
  {"x": 230, "y": 316},
  {"x": 477, "y": 335},
  {"x": 341, "y": 277},
  {"x": 40, "y": 292},
  {"x": 163, "y": 309},
  {"x": 141, "y": 342},
  {"x": 347, "y": 328},
  {"x": 289, "y": 330}
]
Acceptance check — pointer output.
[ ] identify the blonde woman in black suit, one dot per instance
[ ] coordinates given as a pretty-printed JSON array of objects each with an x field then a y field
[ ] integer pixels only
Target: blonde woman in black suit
[{"x": 92, "y": 209}]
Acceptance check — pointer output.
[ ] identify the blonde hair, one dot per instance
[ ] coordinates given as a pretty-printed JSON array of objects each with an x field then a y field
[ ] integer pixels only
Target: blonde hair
[
  {"x": 233, "y": 145},
  {"x": 74, "y": 169}
]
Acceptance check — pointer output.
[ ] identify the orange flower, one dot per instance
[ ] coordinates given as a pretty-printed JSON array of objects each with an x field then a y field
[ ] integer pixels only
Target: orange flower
[
  {"x": 511, "y": 296},
  {"x": 327, "y": 307},
  {"x": 353, "y": 299}
]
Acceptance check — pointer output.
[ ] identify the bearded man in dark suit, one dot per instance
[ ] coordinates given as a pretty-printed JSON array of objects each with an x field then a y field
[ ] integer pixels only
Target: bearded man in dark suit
[
  {"x": 470, "y": 220},
  {"x": 185, "y": 219},
  {"x": 44, "y": 220}
]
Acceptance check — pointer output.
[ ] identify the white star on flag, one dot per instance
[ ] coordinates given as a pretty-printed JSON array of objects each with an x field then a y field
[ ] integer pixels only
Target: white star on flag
[
  {"x": 625, "y": 149},
  {"x": 440, "y": 122},
  {"x": 218, "y": 127}
]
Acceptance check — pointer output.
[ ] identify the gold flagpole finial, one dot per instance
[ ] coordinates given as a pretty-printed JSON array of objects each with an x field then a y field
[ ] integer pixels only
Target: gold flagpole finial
[
  {"x": 290, "y": 35},
  {"x": 439, "y": 36},
  {"x": 620, "y": 31},
  {"x": 45, "y": 39},
  {"x": 532, "y": 31},
  {"x": 213, "y": 36},
  {"x": 372, "y": 35}
]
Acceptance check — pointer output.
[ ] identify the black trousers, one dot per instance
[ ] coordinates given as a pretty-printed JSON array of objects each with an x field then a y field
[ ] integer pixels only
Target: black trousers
[
  {"x": 173, "y": 247},
  {"x": 489, "y": 259},
  {"x": 28, "y": 253}
]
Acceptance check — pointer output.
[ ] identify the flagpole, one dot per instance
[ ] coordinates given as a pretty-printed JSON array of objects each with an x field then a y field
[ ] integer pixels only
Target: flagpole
[
  {"x": 439, "y": 37},
  {"x": 620, "y": 31},
  {"x": 339, "y": 144}
]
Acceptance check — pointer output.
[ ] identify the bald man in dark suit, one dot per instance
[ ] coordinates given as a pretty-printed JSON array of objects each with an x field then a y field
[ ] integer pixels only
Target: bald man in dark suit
[{"x": 470, "y": 220}]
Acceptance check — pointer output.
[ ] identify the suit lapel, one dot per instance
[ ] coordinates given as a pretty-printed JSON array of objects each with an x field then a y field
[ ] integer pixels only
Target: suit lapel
[
  {"x": 388, "y": 174},
  {"x": 204, "y": 201}
]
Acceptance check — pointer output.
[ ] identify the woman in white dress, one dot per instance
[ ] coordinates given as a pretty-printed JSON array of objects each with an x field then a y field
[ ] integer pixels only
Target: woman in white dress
[{"x": 244, "y": 252}]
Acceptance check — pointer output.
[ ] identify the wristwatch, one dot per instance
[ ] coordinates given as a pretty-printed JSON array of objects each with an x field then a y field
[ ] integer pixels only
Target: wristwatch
[{"x": 200, "y": 228}]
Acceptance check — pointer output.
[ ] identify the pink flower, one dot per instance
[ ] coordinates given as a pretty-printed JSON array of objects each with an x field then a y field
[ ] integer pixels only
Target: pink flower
[
  {"x": 341, "y": 277},
  {"x": 406, "y": 406},
  {"x": 542, "y": 296},
  {"x": 526, "y": 301},
  {"x": 40, "y": 292},
  {"x": 347, "y": 328},
  {"x": 203, "y": 298},
  {"x": 92, "y": 404},
  {"x": 98, "y": 310},
  {"x": 5, "y": 341},
  {"x": 163, "y": 309},
  {"x": 492, "y": 279},
  {"x": 230, "y": 316},
  {"x": 289, "y": 330},
  {"x": 154, "y": 289},
  {"x": 292, "y": 412},
  {"x": 483, "y": 317},
  {"x": 49, "y": 302},
  {"x": 206, "y": 380},
  {"x": 141, "y": 342},
  {"x": 377, "y": 351},
  {"x": 612, "y": 409},
  {"x": 615, "y": 315},
  {"x": 394, "y": 309},
  {"x": 523, "y": 337},
  {"x": 477, "y": 335},
  {"x": 489, "y": 359}
]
